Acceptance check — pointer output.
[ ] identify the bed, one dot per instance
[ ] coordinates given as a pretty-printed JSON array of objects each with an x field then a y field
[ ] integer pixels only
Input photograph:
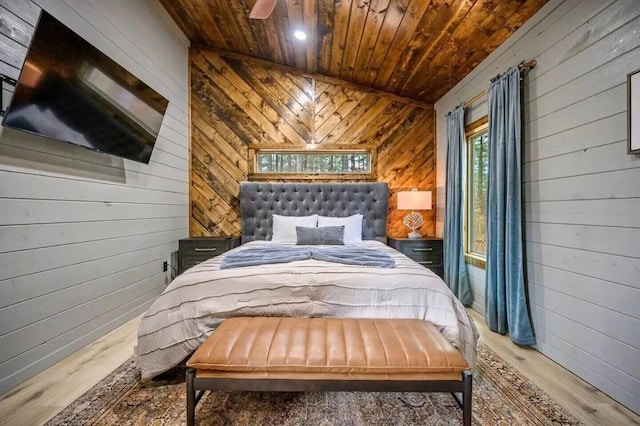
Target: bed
[{"x": 198, "y": 300}]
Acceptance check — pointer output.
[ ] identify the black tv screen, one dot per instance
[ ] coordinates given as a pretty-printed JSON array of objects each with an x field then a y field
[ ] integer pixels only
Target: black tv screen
[{"x": 70, "y": 91}]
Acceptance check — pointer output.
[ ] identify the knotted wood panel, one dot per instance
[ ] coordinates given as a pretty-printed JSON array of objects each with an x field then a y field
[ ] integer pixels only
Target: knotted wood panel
[
  {"x": 237, "y": 102},
  {"x": 387, "y": 44}
]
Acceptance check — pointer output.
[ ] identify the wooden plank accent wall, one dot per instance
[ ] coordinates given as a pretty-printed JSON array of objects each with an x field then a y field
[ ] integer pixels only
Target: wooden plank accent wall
[{"x": 237, "y": 102}]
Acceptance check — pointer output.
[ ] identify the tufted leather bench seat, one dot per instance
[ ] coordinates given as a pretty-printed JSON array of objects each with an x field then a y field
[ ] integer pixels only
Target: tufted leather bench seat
[{"x": 327, "y": 354}]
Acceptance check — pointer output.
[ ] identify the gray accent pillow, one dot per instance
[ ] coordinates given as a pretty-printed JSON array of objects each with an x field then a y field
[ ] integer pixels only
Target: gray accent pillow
[{"x": 329, "y": 235}]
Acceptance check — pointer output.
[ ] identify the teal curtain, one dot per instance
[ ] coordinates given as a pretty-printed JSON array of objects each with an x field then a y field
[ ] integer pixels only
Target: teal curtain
[
  {"x": 506, "y": 298},
  {"x": 455, "y": 270}
]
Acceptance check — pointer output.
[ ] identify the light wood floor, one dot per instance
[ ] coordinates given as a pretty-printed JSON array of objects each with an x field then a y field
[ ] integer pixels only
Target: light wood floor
[
  {"x": 40, "y": 398},
  {"x": 43, "y": 396},
  {"x": 578, "y": 397}
]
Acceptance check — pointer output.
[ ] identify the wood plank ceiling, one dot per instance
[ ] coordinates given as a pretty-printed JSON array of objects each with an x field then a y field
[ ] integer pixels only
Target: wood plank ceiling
[{"x": 414, "y": 48}]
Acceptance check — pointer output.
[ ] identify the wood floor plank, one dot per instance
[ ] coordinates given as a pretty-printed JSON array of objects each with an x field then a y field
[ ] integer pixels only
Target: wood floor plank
[
  {"x": 40, "y": 398},
  {"x": 578, "y": 397}
]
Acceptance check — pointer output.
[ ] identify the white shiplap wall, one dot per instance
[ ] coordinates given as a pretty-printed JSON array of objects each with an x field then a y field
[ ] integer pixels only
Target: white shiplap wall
[
  {"x": 581, "y": 189},
  {"x": 83, "y": 235}
]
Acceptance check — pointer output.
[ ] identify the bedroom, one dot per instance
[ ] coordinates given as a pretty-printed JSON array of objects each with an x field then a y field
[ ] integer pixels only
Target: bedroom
[{"x": 77, "y": 220}]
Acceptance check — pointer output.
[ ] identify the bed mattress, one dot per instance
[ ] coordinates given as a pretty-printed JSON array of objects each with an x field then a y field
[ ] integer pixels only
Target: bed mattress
[{"x": 197, "y": 301}]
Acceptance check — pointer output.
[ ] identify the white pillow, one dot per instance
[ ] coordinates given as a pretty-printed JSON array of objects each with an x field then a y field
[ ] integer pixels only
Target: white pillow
[
  {"x": 284, "y": 227},
  {"x": 352, "y": 226}
]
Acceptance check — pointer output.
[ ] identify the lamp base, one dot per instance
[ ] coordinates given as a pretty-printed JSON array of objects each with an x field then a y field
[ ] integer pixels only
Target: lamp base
[{"x": 413, "y": 235}]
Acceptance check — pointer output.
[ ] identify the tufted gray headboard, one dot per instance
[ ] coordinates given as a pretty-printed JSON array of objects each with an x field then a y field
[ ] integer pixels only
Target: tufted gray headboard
[{"x": 258, "y": 201}]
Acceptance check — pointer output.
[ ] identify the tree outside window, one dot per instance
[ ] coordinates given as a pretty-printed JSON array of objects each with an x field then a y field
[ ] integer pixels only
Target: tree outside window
[
  {"x": 313, "y": 162},
  {"x": 330, "y": 162},
  {"x": 476, "y": 197}
]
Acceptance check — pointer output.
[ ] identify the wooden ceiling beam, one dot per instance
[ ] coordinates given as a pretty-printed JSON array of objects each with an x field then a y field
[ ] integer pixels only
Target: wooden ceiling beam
[
  {"x": 297, "y": 22},
  {"x": 400, "y": 49},
  {"x": 357, "y": 20},
  {"x": 427, "y": 44},
  {"x": 372, "y": 29},
  {"x": 311, "y": 17},
  {"x": 392, "y": 20},
  {"x": 326, "y": 16},
  {"x": 240, "y": 38},
  {"x": 341, "y": 13}
]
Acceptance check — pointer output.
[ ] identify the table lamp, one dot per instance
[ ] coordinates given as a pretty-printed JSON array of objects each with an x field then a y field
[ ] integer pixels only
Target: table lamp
[{"x": 414, "y": 200}]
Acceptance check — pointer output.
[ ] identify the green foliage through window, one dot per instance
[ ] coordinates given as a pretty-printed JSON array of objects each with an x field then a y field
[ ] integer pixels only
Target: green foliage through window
[
  {"x": 313, "y": 162},
  {"x": 478, "y": 158}
]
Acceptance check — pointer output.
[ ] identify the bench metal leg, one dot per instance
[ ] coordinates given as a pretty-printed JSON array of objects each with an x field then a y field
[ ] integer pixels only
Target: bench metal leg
[
  {"x": 191, "y": 397},
  {"x": 194, "y": 396},
  {"x": 467, "y": 383}
]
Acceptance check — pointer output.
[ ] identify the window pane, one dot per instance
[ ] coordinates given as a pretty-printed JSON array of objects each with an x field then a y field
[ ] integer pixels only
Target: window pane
[
  {"x": 313, "y": 162},
  {"x": 478, "y": 171}
]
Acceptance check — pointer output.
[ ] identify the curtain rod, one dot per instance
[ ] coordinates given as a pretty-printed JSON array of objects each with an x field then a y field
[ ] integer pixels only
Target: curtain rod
[{"x": 522, "y": 65}]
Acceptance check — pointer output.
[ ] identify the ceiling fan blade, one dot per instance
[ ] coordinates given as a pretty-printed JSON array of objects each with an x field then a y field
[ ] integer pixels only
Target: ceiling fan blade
[{"x": 262, "y": 9}]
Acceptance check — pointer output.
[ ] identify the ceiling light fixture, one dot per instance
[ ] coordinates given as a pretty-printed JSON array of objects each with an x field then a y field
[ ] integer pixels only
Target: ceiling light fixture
[{"x": 300, "y": 35}]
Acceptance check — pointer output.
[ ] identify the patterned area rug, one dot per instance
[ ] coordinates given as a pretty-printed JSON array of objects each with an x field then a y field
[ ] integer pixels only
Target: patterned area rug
[{"x": 501, "y": 396}]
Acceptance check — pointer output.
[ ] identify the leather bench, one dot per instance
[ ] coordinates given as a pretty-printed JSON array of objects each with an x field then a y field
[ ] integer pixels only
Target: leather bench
[{"x": 327, "y": 354}]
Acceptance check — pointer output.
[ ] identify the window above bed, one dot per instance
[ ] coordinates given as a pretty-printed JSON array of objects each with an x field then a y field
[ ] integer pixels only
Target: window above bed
[{"x": 314, "y": 162}]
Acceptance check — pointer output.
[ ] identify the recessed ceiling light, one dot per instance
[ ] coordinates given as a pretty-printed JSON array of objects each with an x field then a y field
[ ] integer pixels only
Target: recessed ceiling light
[{"x": 300, "y": 35}]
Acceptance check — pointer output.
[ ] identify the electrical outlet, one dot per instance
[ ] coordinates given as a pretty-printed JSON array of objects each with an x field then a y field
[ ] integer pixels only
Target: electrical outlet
[{"x": 165, "y": 266}]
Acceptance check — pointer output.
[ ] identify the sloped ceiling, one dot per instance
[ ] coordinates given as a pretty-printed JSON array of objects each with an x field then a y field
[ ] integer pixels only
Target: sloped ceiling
[{"x": 413, "y": 48}]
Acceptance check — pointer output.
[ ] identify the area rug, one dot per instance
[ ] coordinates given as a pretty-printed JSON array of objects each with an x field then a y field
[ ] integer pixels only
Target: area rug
[{"x": 501, "y": 396}]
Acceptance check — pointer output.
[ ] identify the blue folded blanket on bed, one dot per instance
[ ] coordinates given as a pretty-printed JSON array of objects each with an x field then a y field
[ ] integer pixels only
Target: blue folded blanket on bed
[
  {"x": 271, "y": 254},
  {"x": 354, "y": 256}
]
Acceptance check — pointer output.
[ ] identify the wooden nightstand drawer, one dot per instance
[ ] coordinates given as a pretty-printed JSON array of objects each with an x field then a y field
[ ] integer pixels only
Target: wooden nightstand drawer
[
  {"x": 422, "y": 251},
  {"x": 192, "y": 251},
  {"x": 425, "y": 251}
]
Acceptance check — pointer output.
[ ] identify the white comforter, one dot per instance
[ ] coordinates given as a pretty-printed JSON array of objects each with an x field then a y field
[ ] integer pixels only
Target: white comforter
[{"x": 198, "y": 300}]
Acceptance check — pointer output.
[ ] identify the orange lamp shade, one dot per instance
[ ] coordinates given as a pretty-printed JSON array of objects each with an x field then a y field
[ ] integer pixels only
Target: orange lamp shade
[{"x": 414, "y": 200}]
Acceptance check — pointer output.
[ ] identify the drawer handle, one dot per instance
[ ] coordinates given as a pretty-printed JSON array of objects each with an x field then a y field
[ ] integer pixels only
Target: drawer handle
[
  {"x": 423, "y": 249},
  {"x": 206, "y": 249},
  {"x": 427, "y": 262}
]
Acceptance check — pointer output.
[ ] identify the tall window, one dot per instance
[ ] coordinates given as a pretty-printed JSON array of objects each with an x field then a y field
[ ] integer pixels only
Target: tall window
[{"x": 476, "y": 200}]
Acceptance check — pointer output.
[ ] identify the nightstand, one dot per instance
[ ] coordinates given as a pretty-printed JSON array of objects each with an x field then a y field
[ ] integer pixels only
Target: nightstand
[
  {"x": 425, "y": 251},
  {"x": 192, "y": 251}
]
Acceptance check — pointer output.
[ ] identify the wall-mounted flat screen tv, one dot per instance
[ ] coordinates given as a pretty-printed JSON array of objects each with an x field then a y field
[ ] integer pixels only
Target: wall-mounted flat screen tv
[{"x": 70, "y": 91}]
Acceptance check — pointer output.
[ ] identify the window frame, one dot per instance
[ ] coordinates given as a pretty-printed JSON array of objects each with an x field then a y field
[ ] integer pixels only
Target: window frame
[
  {"x": 255, "y": 149},
  {"x": 479, "y": 126}
]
